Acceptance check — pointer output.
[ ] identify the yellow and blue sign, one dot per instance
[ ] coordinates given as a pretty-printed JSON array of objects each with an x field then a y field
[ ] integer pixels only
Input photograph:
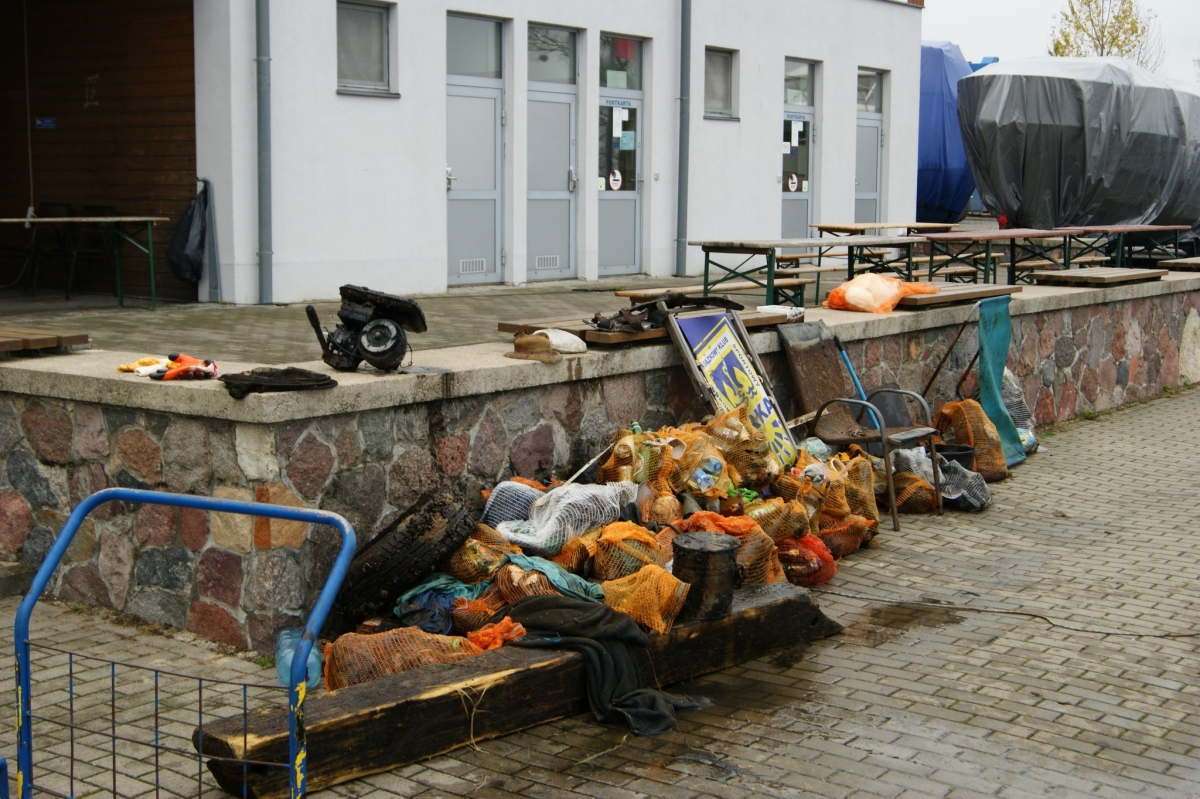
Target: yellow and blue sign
[{"x": 729, "y": 371}]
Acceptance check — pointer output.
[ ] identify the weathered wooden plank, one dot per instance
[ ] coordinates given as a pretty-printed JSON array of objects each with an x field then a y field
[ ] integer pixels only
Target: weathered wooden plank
[
  {"x": 751, "y": 319},
  {"x": 1182, "y": 264},
  {"x": 1099, "y": 276},
  {"x": 955, "y": 292},
  {"x": 396, "y": 720},
  {"x": 30, "y": 334}
]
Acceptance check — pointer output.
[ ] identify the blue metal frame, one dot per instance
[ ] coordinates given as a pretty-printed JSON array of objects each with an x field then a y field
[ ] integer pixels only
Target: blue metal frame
[{"x": 297, "y": 747}]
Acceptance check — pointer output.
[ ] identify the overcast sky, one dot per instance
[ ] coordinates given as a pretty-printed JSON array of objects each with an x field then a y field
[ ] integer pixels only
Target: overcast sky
[{"x": 1021, "y": 28}]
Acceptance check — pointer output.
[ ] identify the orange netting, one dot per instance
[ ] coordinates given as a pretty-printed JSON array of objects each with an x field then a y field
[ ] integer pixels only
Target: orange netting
[
  {"x": 914, "y": 494},
  {"x": 496, "y": 635},
  {"x": 806, "y": 560},
  {"x": 748, "y": 455},
  {"x": 354, "y": 658},
  {"x": 643, "y": 458},
  {"x": 624, "y": 548},
  {"x": 844, "y": 535},
  {"x": 779, "y": 518},
  {"x": 515, "y": 583},
  {"x": 525, "y": 481},
  {"x": 652, "y": 597},
  {"x": 874, "y": 293},
  {"x": 468, "y": 615},
  {"x": 661, "y": 508},
  {"x": 479, "y": 556},
  {"x": 859, "y": 481},
  {"x": 972, "y": 428},
  {"x": 756, "y": 552}
]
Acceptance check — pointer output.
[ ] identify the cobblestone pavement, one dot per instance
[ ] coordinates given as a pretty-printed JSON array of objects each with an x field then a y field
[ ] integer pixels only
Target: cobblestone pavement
[{"x": 1097, "y": 532}]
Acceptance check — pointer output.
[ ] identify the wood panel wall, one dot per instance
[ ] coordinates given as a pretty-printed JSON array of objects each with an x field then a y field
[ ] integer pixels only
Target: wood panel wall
[{"x": 118, "y": 77}]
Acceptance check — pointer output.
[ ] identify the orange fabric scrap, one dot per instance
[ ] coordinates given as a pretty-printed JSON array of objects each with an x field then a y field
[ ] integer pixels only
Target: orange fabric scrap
[{"x": 494, "y": 636}]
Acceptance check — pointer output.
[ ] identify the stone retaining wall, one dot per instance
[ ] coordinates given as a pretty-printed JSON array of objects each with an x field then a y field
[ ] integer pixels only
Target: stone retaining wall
[{"x": 238, "y": 579}]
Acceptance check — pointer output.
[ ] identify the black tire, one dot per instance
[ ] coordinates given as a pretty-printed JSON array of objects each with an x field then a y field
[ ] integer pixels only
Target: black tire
[{"x": 401, "y": 557}]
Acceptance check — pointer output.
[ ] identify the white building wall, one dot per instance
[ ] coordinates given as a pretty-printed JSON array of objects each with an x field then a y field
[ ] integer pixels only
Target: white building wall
[{"x": 359, "y": 182}]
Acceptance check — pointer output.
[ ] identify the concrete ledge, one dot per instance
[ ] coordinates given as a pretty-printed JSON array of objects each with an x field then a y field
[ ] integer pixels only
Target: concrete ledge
[{"x": 91, "y": 376}]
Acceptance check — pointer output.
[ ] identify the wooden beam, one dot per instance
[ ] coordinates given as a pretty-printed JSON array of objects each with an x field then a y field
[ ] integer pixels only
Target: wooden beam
[{"x": 390, "y": 722}]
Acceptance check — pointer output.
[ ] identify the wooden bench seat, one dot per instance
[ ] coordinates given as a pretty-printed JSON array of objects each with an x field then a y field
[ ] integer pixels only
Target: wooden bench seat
[
  {"x": 809, "y": 256},
  {"x": 1045, "y": 263},
  {"x": 644, "y": 295},
  {"x": 1177, "y": 264}
]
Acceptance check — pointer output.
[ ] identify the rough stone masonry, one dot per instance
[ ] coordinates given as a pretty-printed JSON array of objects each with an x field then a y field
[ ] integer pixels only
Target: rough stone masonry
[{"x": 238, "y": 580}]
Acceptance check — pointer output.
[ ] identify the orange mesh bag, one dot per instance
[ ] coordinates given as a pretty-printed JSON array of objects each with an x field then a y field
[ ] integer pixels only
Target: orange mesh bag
[
  {"x": 661, "y": 508},
  {"x": 756, "y": 552},
  {"x": 479, "y": 556},
  {"x": 779, "y": 518},
  {"x": 972, "y": 428},
  {"x": 624, "y": 548},
  {"x": 843, "y": 535},
  {"x": 914, "y": 494},
  {"x": 874, "y": 293},
  {"x": 471, "y": 614},
  {"x": 788, "y": 486},
  {"x": 748, "y": 454},
  {"x": 619, "y": 466},
  {"x": 859, "y": 482},
  {"x": 665, "y": 537},
  {"x": 573, "y": 556},
  {"x": 494, "y": 636},
  {"x": 651, "y": 596},
  {"x": 515, "y": 583},
  {"x": 354, "y": 658},
  {"x": 806, "y": 560}
]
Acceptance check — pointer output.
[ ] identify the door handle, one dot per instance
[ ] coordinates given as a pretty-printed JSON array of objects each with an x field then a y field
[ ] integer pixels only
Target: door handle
[
  {"x": 572, "y": 179},
  {"x": 449, "y": 177}
]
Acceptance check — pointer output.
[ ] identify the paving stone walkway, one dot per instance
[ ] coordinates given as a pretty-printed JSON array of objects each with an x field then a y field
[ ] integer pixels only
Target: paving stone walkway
[{"x": 1098, "y": 532}]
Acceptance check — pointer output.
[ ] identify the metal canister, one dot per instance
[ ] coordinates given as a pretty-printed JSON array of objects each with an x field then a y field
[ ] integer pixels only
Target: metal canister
[{"x": 708, "y": 563}]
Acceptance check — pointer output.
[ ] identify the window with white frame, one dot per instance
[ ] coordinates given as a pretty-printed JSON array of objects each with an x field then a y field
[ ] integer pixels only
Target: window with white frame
[
  {"x": 363, "y": 31},
  {"x": 719, "y": 94}
]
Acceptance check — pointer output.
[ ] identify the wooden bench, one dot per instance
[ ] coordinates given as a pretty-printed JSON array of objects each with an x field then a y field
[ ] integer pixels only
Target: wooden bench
[
  {"x": 15, "y": 339},
  {"x": 646, "y": 295},
  {"x": 1083, "y": 260},
  {"x": 1102, "y": 276},
  {"x": 1178, "y": 264}
]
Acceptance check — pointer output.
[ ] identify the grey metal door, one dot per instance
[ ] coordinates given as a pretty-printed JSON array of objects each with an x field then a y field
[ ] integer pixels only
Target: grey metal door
[
  {"x": 553, "y": 178},
  {"x": 473, "y": 184},
  {"x": 620, "y": 185},
  {"x": 867, "y": 151},
  {"x": 797, "y": 174}
]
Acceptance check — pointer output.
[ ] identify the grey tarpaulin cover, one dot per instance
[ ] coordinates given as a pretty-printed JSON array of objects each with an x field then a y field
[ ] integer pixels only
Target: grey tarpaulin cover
[{"x": 1082, "y": 141}]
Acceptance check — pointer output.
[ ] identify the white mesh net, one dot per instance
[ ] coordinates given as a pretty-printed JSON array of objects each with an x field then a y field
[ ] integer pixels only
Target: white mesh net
[
  {"x": 962, "y": 489},
  {"x": 565, "y": 512},
  {"x": 509, "y": 502}
]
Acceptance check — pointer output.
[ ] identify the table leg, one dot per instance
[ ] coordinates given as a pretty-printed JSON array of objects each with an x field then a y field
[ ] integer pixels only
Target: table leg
[
  {"x": 1012, "y": 262},
  {"x": 849, "y": 263},
  {"x": 1120, "y": 247},
  {"x": 150, "y": 255},
  {"x": 117, "y": 263},
  {"x": 707, "y": 257},
  {"x": 771, "y": 277},
  {"x": 987, "y": 262},
  {"x": 908, "y": 277},
  {"x": 1066, "y": 252}
]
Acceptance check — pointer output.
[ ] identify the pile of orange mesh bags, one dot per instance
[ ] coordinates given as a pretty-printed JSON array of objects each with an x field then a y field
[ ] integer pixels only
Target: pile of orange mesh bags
[{"x": 611, "y": 540}]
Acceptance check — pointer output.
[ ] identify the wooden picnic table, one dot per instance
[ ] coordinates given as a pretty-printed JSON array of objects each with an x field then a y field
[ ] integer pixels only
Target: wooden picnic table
[
  {"x": 857, "y": 248},
  {"x": 1095, "y": 237},
  {"x": 959, "y": 246},
  {"x": 859, "y": 228},
  {"x": 112, "y": 223}
]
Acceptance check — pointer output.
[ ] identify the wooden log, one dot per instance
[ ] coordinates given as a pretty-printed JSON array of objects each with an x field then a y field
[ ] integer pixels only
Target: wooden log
[{"x": 390, "y": 722}]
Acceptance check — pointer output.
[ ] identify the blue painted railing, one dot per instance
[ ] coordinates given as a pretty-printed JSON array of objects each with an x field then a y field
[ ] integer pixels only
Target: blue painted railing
[{"x": 297, "y": 747}]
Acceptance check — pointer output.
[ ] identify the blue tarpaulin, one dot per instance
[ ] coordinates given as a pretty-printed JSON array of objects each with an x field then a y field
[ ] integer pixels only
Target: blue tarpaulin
[{"x": 944, "y": 182}]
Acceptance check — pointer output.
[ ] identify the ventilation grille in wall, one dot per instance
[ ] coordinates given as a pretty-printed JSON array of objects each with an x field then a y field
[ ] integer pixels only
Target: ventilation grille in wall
[
  {"x": 546, "y": 262},
  {"x": 472, "y": 266}
]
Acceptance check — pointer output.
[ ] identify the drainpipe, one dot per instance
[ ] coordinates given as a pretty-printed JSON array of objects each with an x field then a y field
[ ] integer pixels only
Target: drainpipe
[
  {"x": 262, "y": 18},
  {"x": 685, "y": 111}
]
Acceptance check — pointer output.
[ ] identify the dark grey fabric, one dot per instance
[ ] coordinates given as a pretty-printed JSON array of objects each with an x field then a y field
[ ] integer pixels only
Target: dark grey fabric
[{"x": 603, "y": 636}]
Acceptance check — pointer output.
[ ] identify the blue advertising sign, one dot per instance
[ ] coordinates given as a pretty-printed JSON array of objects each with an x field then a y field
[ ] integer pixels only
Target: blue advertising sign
[
  {"x": 45, "y": 123},
  {"x": 730, "y": 372}
]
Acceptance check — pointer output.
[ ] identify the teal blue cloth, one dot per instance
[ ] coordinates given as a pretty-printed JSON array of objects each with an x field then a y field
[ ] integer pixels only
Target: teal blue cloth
[
  {"x": 443, "y": 583},
  {"x": 568, "y": 584},
  {"x": 995, "y": 335}
]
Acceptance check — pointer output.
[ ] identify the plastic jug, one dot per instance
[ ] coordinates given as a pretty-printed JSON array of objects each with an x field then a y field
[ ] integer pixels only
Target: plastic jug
[{"x": 285, "y": 647}]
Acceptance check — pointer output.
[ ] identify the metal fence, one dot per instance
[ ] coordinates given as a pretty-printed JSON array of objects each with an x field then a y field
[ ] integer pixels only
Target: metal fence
[{"x": 137, "y": 730}]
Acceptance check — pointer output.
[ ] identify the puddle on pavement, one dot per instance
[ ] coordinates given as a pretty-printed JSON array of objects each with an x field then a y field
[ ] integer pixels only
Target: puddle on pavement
[{"x": 879, "y": 625}]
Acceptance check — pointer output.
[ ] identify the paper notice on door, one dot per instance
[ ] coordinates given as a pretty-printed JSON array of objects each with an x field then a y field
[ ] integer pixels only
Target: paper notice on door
[
  {"x": 603, "y": 184},
  {"x": 628, "y": 140},
  {"x": 787, "y": 148},
  {"x": 617, "y": 79}
]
